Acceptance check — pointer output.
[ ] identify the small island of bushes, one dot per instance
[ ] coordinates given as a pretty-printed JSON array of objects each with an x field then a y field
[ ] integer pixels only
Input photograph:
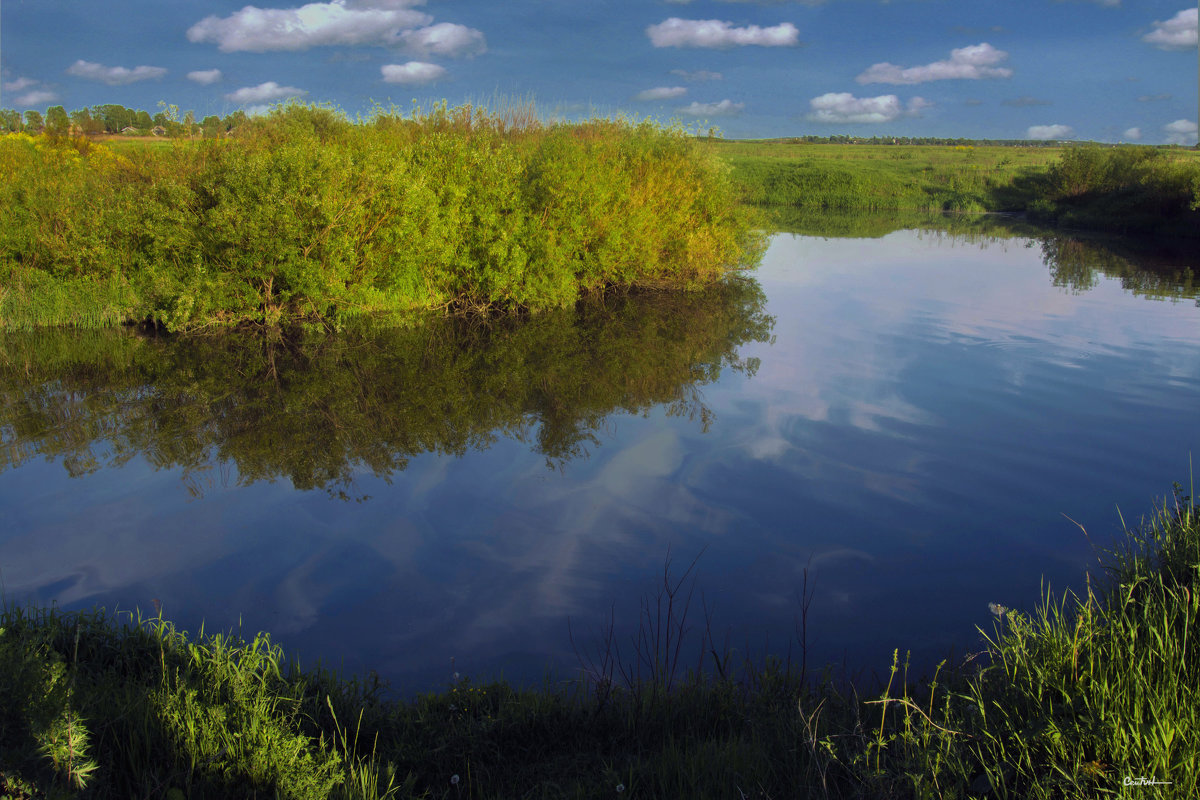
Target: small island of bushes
[{"x": 305, "y": 215}]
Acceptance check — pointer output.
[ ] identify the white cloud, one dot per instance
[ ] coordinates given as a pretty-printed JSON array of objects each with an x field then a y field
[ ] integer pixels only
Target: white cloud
[
  {"x": 113, "y": 76},
  {"x": 1181, "y": 131},
  {"x": 412, "y": 72},
  {"x": 676, "y": 32},
  {"x": 38, "y": 97},
  {"x": 19, "y": 85},
  {"x": 845, "y": 108},
  {"x": 312, "y": 25},
  {"x": 32, "y": 96},
  {"x": 445, "y": 39},
  {"x": 1177, "y": 33},
  {"x": 974, "y": 62},
  {"x": 264, "y": 93},
  {"x": 1044, "y": 132},
  {"x": 1133, "y": 134},
  {"x": 697, "y": 75},
  {"x": 725, "y": 108},
  {"x": 661, "y": 93},
  {"x": 205, "y": 76}
]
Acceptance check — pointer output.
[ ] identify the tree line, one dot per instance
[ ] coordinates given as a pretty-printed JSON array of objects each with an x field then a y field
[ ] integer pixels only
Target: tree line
[
  {"x": 919, "y": 140},
  {"x": 113, "y": 118}
]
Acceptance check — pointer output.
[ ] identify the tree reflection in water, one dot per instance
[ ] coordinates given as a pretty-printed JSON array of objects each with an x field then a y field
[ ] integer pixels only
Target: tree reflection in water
[{"x": 318, "y": 408}]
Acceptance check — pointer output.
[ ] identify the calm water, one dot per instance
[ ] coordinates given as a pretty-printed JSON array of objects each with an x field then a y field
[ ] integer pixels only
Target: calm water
[{"x": 911, "y": 419}]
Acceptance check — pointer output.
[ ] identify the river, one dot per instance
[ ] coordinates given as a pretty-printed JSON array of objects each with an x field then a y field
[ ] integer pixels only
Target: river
[{"x": 865, "y": 439}]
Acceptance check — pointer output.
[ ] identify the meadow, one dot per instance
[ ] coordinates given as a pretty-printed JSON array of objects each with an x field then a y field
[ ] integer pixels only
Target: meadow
[
  {"x": 1125, "y": 189},
  {"x": 1073, "y": 697}
]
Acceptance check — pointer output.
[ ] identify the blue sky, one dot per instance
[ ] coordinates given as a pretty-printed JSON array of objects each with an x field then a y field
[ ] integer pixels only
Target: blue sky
[{"x": 1109, "y": 70}]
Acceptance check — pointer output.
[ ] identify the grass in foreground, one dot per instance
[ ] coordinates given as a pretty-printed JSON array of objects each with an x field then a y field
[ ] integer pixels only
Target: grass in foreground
[{"x": 1078, "y": 698}]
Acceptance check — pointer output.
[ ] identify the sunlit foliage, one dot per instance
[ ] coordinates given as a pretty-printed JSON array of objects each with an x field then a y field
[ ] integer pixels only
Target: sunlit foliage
[{"x": 303, "y": 214}]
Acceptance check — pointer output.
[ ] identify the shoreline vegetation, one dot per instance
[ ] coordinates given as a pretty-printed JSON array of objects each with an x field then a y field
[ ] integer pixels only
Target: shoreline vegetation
[
  {"x": 304, "y": 216},
  {"x": 1080, "y": 697}
]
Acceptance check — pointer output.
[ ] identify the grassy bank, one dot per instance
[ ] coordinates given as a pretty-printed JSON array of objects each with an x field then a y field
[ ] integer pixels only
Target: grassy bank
[
  {"x": 1122, "y": 189},
  {"x": 1071, "y": 699},
  {"x": 304, "y": 215}
]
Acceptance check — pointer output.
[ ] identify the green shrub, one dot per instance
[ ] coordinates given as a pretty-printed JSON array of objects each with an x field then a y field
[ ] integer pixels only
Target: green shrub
[{"x": 305, "y": 215}]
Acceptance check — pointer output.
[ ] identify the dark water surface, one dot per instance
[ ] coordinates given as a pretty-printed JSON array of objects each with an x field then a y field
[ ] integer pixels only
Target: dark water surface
[{"x": 911, "y": 418}]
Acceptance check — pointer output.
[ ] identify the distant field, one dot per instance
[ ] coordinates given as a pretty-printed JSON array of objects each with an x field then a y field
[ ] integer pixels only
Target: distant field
[
  {"x": 855, "y": 177},
  {"x": 917, "y": 155},
  {"x": 125, "y": 144},
  {"x": 909, "y": 177}
]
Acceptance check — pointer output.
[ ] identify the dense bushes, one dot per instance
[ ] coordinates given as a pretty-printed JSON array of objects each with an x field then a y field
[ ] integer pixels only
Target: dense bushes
[
  {"x": 303, "y": 214},
  {"x": 1124, "y": 188}
]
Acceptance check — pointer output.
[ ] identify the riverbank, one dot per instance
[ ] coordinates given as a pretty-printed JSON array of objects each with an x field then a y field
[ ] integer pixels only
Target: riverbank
[
  {"x": 1121, "y": 189},
  {"x": 1073, "y": 698},
  {"x": 305, "y": 216}
]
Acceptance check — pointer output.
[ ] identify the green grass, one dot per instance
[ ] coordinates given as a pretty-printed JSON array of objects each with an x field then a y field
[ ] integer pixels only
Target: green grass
[
  {"x": 1069, "y": 700},
  {"x": 1127, "y": 189},
  {"x": 877, "y": 177}
]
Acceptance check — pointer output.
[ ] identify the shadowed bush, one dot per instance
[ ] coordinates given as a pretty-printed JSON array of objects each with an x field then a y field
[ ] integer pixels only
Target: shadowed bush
[{"x": 1126, "y": 189}]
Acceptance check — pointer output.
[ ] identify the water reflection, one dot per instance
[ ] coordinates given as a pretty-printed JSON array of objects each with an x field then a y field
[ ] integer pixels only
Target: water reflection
[
  {"x": 1157, "y": 268},
  {"x": 1079, "y": 266},
  {"x": 319, "y": 409},
  {"x": 924, "y": 407}
]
